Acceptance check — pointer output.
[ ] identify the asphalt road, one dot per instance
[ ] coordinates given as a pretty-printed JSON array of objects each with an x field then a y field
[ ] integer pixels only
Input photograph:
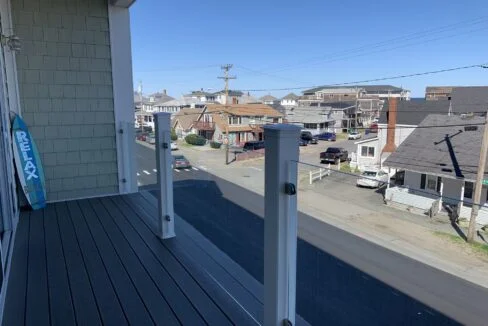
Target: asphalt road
[{"x": 348, "y": 281}]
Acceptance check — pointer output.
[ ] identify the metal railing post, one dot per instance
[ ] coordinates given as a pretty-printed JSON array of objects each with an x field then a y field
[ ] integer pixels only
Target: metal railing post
[
  {"x": 280, "y": 223},
  {"x": 166, "y": 227}
]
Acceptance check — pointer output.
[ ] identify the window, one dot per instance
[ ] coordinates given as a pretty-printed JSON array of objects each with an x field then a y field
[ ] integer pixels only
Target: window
[
  {"x": 367, "y": 151},
  {"x": 431, "y": 182},
  {"x": 468, "y": 190},
  {"x": 234, "y": 120}
]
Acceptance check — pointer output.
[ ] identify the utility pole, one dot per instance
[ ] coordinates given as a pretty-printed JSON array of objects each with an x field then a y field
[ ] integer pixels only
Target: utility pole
[
  {"x": 142, "y": 106},
  {"x": 479, "y": 183},
  {"x": 226, "y": 78}
]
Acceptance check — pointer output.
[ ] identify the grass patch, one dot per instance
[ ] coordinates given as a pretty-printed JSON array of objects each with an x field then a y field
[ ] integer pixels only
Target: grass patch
[
  {"x": 341, "y": 136},
  {"x": 477, "y": 247}
]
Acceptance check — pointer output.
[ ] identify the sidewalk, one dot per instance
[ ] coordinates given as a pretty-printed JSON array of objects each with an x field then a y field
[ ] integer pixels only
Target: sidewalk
[{"x": 402, "y": 232}]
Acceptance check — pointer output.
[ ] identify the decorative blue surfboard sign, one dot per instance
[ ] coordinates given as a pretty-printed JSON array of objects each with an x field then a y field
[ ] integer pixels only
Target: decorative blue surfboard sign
[{"x": 28, "y": 164}]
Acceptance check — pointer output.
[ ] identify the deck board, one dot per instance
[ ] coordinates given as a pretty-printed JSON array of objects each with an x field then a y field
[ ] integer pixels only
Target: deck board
[
  {"x": 210, "y": 311},
  {"x": 237, "y": 306},
  {"x": 179, "y": 303},
  {"x": 155, "y": 302},
  {"x": 110, "y": 308},
  {"x": 61, "y": 305},
  {"x": 37, "y": 305},
  {"x": 17, "y": 287},
  {"x": 130, "y": 299},
  {"x": 86, "y": 309},
  {"x": 99, "y": 262}
]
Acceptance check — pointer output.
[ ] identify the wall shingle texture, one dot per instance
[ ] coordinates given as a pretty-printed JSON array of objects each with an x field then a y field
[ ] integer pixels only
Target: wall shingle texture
[{"x": 65, "y": 85}]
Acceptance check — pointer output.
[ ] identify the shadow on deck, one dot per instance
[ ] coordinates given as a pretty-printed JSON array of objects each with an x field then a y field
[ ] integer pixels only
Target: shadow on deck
[{"x": 98, "y": 261}]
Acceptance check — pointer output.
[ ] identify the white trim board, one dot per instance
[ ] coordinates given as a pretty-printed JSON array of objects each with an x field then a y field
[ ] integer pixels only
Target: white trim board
[{"x": 120, "y": 47}]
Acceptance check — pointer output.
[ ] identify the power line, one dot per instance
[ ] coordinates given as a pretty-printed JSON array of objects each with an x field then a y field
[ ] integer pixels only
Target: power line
[
  {"x": 480, "y": 65},
  {"x": 385, "y": 183},
  {"x": 408, "y": 37}
]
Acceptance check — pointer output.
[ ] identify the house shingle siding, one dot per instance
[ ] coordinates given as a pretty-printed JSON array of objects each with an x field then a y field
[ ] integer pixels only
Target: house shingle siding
[{"x": 65, "y": 85}]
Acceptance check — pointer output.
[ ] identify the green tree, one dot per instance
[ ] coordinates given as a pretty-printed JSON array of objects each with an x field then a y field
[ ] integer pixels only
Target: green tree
[{"x": 174, "y": 136}]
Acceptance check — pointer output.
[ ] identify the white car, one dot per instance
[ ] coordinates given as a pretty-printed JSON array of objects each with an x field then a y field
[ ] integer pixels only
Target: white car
[
  {"x": 354, "y": 135},
  {"x": 174, "y": 146},
  {"x": 372, "y": 178}
]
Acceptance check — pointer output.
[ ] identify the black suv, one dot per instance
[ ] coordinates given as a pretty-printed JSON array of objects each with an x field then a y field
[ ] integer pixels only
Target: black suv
[
  {"x": 253, "y": 145},
  {"x": 308, "y": 137}
]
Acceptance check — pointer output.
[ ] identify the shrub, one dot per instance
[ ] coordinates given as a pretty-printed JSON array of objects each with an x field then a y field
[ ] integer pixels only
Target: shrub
[
  {"x": 215, "y": 144},
  {"x": 174, "y": 136},
  {"x": 195, "y": 140}
]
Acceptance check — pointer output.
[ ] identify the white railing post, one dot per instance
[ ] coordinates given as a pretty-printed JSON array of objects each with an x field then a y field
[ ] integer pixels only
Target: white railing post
[
  {"x": 280, "y": 223},
  {"x": 311, "y": 176},
  {"x": 166, "y": 227}
]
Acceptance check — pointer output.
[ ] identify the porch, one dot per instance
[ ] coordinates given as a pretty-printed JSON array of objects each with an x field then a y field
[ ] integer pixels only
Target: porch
[{"x": 99, "y": 261}]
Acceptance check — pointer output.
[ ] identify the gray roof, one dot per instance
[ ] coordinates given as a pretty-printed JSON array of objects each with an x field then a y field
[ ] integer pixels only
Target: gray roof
[
  {"x": 278, "y": 107},
  {"x": 308, "y": 114},
  {"x": 367, "y": 88},
  {"x": 231, "y": 92},
  {"x": 290, "y": 96},
  {"x": 445, "y": 149},
  {"x": 414, "y": 111},
  {"x": 469, "y": 99},
  {"x": 268, "y": 98}
]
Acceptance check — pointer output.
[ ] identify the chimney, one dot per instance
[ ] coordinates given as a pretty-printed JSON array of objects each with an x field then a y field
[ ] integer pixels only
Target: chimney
[
  {"x": 391, "y": 115},
  {"x": 164, "y": 91}
]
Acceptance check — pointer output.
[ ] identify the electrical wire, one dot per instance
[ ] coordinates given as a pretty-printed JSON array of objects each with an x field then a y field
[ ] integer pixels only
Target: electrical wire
[
  {"x": 386, "y": 183},
  {"x": 479, "y": 65},
  {"x": 385, "y": 43}
]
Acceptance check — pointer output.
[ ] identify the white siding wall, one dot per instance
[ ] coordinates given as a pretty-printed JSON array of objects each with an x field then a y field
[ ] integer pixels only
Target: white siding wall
[{"x": 452, "y": 190}]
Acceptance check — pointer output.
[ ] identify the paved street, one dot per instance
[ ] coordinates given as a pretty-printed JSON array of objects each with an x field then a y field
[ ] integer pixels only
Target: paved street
[{"x": 349, "y": 280}]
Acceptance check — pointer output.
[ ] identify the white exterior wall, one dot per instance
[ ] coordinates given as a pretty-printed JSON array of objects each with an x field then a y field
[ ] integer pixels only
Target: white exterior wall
[
  {"x": 364, "y": 161},
  {"x": 288, "y": 102},
  {"x": 452, "y": 190}
]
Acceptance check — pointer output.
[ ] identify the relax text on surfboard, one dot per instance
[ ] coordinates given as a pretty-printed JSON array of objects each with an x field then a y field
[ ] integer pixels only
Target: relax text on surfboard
[{"x": 26, "y": 149}]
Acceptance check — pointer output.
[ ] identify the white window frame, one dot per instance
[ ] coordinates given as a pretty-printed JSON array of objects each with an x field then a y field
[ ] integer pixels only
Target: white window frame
[
  {"x": 367, "y": 151},
  {"x": 428, "y": 179}
]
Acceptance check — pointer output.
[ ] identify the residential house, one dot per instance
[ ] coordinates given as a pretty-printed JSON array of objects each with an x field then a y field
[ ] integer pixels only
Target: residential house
[
  {"x": 183, "y": 122},
  {"x": 201, "y": 96},
  {"x": 353, "y": 92},
  {"x": 397, "y": 121},
  {"x": 233, "y": 97},
  {"x": 160, "y": 97},
  {"x": 434, "y": 93},
  {"x": 314, "y": 119},
  {"x": 248, "y": 99},
  {"x": 344, "y": 114},
  {"x": 268, "y": 99},
  {"x": 440, "y": 162},
  {"x": 175, "y": 106},
  {"x": 243, "y": 122},
  {"x": 408, "y": 115},
  {"x": 290, "y": 100}
]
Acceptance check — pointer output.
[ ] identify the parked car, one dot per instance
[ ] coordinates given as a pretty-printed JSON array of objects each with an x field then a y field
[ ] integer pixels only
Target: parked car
[
  {"x": 373, "y": 128},
  {"x": 141, "y": 136},
  {"x": 174, "y": 146},
  {"x": 329, "y": 136},
  {"x": 354, "y": 135},
  {"x": 180, "y": 162},
  {"x": 334, "y": 154},
  {"x": 372, "y": 178},
  {"x": 308, "y": 137},
  {"x": 151, "y": 139},
  {"x": 302, "y": 142},
  {"x": 253, "y": 145}
]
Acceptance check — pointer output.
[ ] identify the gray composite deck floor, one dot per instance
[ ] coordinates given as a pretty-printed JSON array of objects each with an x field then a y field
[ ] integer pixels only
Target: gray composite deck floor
[{"x": 99, "y": 262}]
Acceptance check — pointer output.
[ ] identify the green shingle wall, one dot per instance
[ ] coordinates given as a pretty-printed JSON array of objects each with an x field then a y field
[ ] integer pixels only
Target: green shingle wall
[{"x": 65, "y": 84}]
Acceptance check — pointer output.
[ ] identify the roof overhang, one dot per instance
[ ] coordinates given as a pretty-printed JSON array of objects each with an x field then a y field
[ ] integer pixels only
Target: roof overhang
[
  {"x": 366, "y": 141},
  {"x": 122, "y": 3}
]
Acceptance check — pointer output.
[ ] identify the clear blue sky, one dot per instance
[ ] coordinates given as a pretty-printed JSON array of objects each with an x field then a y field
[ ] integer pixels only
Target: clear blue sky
[{"x": 179, "y": 45}]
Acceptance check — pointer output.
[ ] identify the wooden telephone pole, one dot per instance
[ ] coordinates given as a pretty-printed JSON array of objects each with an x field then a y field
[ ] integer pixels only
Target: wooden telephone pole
[
  {"x": 479, "y": 183},
  {"x": 226, "y": 78}
]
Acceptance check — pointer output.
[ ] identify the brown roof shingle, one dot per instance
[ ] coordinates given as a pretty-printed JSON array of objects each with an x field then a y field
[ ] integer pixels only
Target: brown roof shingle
[{"x": 186, "y": 117}]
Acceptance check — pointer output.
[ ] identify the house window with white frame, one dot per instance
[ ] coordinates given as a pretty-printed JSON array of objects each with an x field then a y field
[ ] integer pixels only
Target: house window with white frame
[
  {"x": 431, "y": 182},
  {"x": 234, "y": 120},
  {"x": 367, "y": 151}
]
